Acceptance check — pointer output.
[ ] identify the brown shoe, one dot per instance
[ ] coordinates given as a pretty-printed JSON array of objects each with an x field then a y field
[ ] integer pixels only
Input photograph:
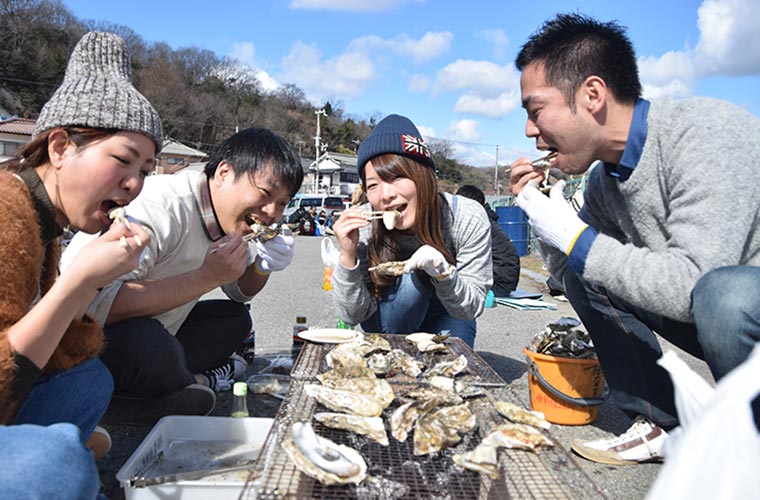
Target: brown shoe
[{"x": 99, "y": 442}]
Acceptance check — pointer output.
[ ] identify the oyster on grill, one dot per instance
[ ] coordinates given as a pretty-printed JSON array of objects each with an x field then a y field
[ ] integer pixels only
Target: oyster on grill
[
  {"x": 448, "y": 368},
  {"x": 520, "y": 415},
  {"x": 347, "y": 361},
  {"x": 373, "y": 343},
  {"x": 367, "y": 426},
  {"x": 426, "y": 342},
  {"x": 406, "y": 363},
  {"x": 442, "y": 427},
  {"x": 380, "y": 363},
  {"x": 392, "y": 268},
  {"x": 345, "y": 401},
  {"x": 484, "y": 457},
  {"x": 320, "y": 458},
  {"x": 377, "y": 388}
]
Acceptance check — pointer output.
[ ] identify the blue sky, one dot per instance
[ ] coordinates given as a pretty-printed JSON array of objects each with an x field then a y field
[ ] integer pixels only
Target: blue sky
[{"x": 447, "y": 64}]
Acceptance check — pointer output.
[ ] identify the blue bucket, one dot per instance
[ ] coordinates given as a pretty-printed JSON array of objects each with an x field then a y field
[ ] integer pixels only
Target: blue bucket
[{"x": 514, "y": 222}]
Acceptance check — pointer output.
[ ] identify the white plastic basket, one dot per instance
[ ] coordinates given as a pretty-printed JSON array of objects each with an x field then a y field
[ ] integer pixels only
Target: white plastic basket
[{"x": 193, "y": 443}]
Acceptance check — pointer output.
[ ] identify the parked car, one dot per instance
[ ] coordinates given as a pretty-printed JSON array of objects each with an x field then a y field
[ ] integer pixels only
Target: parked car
[{"x": 330, "y": 204}]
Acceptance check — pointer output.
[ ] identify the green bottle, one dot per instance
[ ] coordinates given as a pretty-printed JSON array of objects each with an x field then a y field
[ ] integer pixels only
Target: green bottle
[{"x": 239, "y": 401}]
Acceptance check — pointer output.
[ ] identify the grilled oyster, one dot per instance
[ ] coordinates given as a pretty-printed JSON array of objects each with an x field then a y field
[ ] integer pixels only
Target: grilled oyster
[
  {"x": 520, "y": 415},
  {"x": 262, "y": 233},
  {"x": 448, "y": 368},
  {"x": 425, "y": 342},
  {"x": 392, "y": 268},
  {"x": 320, "y": 458},
  {"x": 345, "y": 401},
  {"x": 367, "y": 426},
  {"x": 368, "y": 386},
  {"x": 442, "y": 427}
]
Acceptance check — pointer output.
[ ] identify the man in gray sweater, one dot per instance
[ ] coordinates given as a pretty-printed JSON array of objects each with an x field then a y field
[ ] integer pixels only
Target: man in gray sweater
[{"x": 667, "y": 239}]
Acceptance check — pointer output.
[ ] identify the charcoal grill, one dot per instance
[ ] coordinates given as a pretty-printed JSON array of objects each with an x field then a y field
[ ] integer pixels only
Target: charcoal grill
[{"x": 394, "y": 472}]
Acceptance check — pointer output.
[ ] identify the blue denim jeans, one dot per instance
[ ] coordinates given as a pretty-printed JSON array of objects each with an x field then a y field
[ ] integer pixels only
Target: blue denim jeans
[
  {"x": 42, "y": 462},
  {"x": 412, "y": 306},
  {"x": 78, "y": 396},
  {"x": 726, "y": 311}
]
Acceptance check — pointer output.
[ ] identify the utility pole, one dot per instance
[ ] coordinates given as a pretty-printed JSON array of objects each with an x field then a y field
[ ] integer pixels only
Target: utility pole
[
  {"x": 496, "y": 173},
  {"x": 317, "y": 150}
]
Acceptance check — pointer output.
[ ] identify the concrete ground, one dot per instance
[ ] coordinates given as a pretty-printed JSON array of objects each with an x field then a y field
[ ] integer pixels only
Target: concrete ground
[{"x": 502, "y": 333}]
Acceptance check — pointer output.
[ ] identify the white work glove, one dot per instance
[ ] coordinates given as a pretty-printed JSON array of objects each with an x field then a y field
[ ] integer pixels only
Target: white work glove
[
  {"x": 429, "y": 260},
  {"x": 275, "y": 254},
  {"x": 553, "y": 219}
]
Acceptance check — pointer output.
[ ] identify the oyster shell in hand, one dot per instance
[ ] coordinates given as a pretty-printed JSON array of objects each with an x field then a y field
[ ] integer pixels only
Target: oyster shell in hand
[{"x": 392, "y": 268}]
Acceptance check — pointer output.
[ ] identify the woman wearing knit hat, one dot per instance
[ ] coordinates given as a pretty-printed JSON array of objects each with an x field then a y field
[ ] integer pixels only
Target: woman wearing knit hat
[
  {"x": 94, "y": 142},
  {"x": 443, "y": 239}
]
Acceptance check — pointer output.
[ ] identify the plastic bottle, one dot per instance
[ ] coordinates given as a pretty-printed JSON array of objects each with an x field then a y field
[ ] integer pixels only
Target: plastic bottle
[
  {"x": 343, "y": 325},
  {"x": 239, "y": 401},
  {"x": 298, "y": 328}
]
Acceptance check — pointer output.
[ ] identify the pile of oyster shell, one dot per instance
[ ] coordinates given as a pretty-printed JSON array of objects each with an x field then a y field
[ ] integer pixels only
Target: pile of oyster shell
[{"x": 435, "y": 411}]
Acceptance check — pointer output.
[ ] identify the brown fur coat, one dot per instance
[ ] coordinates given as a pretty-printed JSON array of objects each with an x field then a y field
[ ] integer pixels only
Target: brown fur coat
[{"x": 25, "y": 268}]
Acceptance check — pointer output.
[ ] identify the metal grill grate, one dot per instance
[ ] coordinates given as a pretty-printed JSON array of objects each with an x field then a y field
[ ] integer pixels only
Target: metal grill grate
[{"x": 394, "y": 472}]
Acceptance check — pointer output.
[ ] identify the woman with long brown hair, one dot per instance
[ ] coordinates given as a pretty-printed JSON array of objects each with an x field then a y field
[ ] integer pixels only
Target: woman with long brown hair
[{"x": 444, "y": 240}]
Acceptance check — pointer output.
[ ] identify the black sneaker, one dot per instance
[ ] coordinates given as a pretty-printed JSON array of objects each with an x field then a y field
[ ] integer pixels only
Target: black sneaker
[
  {"x": 222, "y": 377},
  {"x": 195, "y": 399}
]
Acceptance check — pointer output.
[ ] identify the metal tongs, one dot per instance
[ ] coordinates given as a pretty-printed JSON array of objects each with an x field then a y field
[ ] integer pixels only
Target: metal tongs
[{"x": 142, "y": 482}]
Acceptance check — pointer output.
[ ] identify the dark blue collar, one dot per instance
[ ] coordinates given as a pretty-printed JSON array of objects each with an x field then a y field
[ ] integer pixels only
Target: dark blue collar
[{"x": 634, "y": 145}]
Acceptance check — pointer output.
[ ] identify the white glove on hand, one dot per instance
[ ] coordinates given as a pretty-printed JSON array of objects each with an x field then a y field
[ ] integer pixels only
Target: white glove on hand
[
  {"x": 275, "y": 254},
  {"x": 553, "y": 219},
  {"x": 429, "y": 260}
]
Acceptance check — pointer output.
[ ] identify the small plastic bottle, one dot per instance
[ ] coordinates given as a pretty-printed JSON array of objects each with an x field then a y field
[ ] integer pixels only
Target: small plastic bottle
[
  {"x": 299, "y": 327},
  {"x": 239, "y": 401},
  {"x": 343, "y": 325}
]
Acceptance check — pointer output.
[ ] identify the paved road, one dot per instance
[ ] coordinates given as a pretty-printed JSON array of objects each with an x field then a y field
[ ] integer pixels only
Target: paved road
[{"x": 502, "y": 333}]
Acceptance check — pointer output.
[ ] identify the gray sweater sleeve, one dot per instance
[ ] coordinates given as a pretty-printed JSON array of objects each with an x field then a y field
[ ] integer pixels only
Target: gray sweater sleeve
[
  {"x": 462, "y": 293},
  {"x": 690, "y": 206}
]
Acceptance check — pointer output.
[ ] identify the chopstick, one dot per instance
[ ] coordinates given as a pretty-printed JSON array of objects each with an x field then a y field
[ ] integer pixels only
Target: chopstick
[{"x": 544, "y": 161}]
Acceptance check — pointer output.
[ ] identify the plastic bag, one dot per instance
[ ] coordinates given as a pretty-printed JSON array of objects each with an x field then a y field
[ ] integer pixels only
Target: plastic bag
[
  {"x": 717, "y": 454},
  {"x": 330, "y": 254}
]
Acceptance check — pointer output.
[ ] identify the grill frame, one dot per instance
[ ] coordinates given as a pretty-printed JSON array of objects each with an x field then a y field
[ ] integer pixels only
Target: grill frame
[{"x": 394, "y": 472}]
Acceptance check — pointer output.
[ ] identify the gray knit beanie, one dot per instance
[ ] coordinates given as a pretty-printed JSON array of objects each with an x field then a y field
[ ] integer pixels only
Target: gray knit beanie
[
  {"x": 395, "y": 134},
  {"x": 97, "y": 92}
]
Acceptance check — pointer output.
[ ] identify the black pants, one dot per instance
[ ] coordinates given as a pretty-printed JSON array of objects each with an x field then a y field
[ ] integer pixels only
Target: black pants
[{"x": 146, "y": 360}]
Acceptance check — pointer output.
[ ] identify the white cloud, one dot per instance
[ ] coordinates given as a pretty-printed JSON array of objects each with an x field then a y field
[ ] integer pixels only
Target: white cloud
[
  {"x": 345, "y": 75},
  {"x": 730, "y": 37},
  {"x": 431, "y": 45},
  {"x": 728, "y": 45},
  {"x": 245, "y": 54},
  {"x": 419, "y": 83},
  {"x": 496, "y": 107},
  {"x": 350, "y": 5},
  {"x": 499, "y": 39},
  {"x": 426, "y": 131},
  {"x": 483, "y": 78},
  {"x": 465, "y": 130}
]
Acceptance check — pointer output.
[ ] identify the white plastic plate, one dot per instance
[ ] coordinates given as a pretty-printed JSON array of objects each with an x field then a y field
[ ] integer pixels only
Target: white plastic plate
[{"x": 330, "y": 335}]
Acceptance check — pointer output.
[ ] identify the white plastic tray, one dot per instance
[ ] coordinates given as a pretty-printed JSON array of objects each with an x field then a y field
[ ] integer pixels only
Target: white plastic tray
[{"x": 193, "y": 443}]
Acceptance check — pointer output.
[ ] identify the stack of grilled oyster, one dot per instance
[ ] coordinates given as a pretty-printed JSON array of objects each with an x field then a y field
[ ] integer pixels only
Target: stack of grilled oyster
[{"x": 435, "y": 411}]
